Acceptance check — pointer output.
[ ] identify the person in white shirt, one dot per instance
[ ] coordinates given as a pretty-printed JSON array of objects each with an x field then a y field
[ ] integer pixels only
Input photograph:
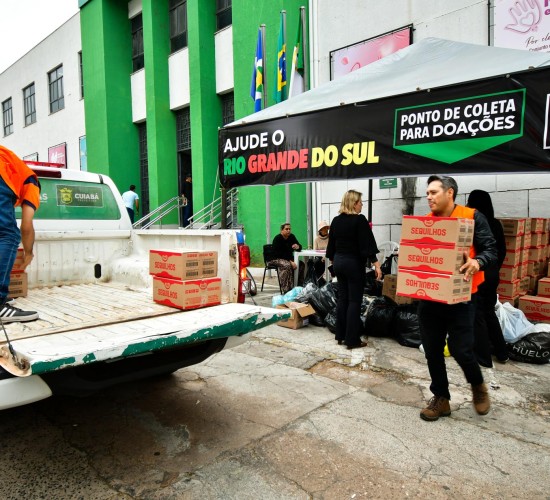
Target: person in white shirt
[{"x": 131, "y": 201}]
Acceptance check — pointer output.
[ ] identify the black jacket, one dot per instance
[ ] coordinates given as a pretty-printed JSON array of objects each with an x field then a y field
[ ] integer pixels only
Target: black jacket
[
  {"x": 351, "y": 234},
  {"x": 282, "y": 249},
  {"x": 484, "y": 242}
]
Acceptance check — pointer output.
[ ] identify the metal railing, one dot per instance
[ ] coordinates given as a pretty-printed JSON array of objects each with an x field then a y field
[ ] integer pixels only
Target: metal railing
[
  {"x": 156, "y": 215},
  {"x": 209, "y": 217}
]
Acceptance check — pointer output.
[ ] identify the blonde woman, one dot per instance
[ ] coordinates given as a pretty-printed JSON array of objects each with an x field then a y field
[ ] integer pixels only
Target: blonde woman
[{"x": 351, "y": 247}]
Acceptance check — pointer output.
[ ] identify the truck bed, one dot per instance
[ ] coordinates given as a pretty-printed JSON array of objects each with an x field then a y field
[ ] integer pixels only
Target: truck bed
[{"x": 81, "y": 324}]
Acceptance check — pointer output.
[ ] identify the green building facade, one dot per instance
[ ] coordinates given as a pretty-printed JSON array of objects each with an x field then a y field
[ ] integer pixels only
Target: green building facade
[{"x": 145, "y": 153}]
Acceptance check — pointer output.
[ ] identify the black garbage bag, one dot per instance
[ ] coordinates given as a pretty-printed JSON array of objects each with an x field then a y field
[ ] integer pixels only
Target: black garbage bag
[
  {"x": 373, "y": 287},
  {"x": 385, "y": 267},
  {"x": 365, "y": 303},
  {"x": 380, "y": 316},
  {"x": 533, "y": 348},
  {"x": 316, "y": 320},
  {"x": 406, "y": 326},
  {"x": 305, "y": 294},
  {"x": 311, "y": 274},
  {"x": 330, "y": 320},
  {"x": 324, "y": 299}
]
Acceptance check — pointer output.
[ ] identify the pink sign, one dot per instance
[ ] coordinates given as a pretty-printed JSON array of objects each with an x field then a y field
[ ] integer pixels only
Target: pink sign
[
  {"x": 58, "y": 154},
  {"x": 356, "y": 56},
  {"x": 523, "y": 24}
]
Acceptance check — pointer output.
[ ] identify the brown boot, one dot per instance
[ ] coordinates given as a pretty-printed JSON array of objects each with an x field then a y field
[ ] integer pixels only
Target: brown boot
[
  {"x": 437, "y": 407},
  {"x": 482, "y": 404}
]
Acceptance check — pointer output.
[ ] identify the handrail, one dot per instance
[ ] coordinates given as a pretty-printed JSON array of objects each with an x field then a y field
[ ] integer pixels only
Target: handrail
[{"x": 175, "y": 202}]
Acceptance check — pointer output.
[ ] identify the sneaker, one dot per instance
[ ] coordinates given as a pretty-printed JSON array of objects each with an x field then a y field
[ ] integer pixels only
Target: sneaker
[
  {"x": 437, "y": 407},
  {"x": 482, "y": 403},
  {"x": 10, "y": 314}
]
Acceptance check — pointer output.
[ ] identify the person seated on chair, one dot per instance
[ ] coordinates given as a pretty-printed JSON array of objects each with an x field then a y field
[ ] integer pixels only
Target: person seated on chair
[
  {"x": 320, "y": 243},
  {"x": 284, "y": 246}
]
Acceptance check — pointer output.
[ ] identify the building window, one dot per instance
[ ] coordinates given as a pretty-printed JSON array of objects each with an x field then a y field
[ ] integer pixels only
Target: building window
[
  {"x": 29, "y": 104},
  {"x": 183, "y": 129},
  {"x": 143, "y": 168},
  {"x": 7, "y": 114},
  {"x": 55, "y": 82},
  {"x": 137, "y": 43},
  {"x": 223, "y": 13},
  {"x": 80, "y": 75},
  {"x": 178, "y": 25},
  {"x": 228, "y": 108}
]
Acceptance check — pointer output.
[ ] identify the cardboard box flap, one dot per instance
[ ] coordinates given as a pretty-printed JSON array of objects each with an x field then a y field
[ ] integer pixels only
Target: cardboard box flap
[{"x": 303, "y": 310}]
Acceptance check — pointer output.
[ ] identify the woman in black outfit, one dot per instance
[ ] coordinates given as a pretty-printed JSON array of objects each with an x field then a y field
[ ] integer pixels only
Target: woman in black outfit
[
  {"x": 351, "y": 247},
  {"x": 487, "y": 328}
]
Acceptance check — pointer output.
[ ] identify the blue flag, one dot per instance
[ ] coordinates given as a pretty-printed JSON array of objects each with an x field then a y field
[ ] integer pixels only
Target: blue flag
[
  {"x": 280, "y": 90},
  {"x": 257, "y": 85}
]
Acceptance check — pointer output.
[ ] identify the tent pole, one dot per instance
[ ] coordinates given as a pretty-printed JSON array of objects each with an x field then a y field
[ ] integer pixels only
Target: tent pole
[
  {"x": 267, "y": 215},
  {"x": 369, "y": 213}
]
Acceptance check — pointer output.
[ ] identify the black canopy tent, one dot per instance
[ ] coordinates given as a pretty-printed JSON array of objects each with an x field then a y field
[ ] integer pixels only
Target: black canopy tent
[{"x": 436, "y": 106}]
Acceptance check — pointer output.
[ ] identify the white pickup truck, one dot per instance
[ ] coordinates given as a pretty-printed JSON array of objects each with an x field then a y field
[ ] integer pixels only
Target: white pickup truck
[{"x": 90, "y": 283}]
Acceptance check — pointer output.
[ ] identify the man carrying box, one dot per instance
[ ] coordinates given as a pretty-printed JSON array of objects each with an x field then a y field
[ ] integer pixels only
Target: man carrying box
[
  {"x": 18, "y": 187},
  {"x": 437, "y": 320}
]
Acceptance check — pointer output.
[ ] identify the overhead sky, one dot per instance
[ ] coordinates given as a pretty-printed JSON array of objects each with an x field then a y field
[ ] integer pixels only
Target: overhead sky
[{"x": 25, "y": 23}]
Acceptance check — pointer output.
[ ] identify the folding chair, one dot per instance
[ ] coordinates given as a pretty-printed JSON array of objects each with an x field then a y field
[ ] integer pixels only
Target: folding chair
[{"x": 268, "y": 256}]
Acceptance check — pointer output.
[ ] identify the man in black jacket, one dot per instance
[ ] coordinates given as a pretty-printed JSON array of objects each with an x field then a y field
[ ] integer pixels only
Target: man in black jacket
[
  {"x": 284, "y": 246},
  {"x": 455, "y": 322}
]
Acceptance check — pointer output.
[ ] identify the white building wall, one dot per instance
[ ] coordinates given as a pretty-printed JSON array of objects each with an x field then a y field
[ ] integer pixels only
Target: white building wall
[
  {"x": 66, "y": 125},
  {"x": 334, "y": 25},
  {"x": 178, "y": 68},
  {"x": 224, "y": 60}
]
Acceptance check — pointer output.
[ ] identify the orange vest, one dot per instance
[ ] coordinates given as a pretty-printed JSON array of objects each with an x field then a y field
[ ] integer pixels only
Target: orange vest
[
  {"x": 16, "y": 175},
  {"x": 468, "y": 213}
]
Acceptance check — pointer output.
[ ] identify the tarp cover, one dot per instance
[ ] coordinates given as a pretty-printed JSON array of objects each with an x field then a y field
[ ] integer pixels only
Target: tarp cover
[{"x": 434, "y": 107}]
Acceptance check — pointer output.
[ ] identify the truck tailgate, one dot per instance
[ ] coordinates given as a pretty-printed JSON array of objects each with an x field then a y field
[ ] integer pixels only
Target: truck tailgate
[{"x": 140, "y": 326}]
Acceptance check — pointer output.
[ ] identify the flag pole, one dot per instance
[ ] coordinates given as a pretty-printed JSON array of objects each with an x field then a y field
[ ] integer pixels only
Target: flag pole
[
  {"x": 305, "y": 42},
  {"x": 264, "y": 66},
  {"x": 287, "y": 186}
]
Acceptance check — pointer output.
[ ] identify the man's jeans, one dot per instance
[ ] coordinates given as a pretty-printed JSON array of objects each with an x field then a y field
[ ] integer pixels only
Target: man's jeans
[{"x": 9, "y": 238}]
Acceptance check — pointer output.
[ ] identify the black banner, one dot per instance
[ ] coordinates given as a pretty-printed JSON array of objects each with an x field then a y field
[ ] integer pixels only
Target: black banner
[{"x": 498, "y": 125}]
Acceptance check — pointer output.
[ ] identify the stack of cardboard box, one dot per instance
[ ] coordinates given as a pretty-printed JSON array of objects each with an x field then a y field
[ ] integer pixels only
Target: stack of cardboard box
[
  {"x": 186, "y": 279},
  {"x": 526, "y": 281},
  {"x": 526, "y": 258},
  {"x": 431, "y": 253},
  {"x": 18, "y": 278}
]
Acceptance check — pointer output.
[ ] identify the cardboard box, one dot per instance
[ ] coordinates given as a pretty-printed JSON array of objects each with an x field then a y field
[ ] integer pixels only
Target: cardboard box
[
  {"x": 512, "y": 258},
  {"x": 181, "y": 264},
  {"x": 524, "y": 254},
  {"x": 538, "y": 224},
  {"x": 432, "y": 258},
  {"x": 513, "y": 243},
  {"x": 513, "y": 226},
  {"x": 389, "y": 289},
  {"x": 535, "y": 253},
  {"x": 300, "y": 312},
  {"x": 426, "y": 230},
  {"x": 508, "y": 273},
  {"x": 445, "y": 288},
  {"x": 524, "y": 285},
  {"x": 512, "y": 300},
  {"x": 535, "y": 308},
  {"x": 537, "y": 240},
  {"x": 523, "y": 270},
  {"x": 18, "y": 262},
  {"x": 534, "y": 267},
  {"x": 508, "y": 288},
  {"x": 188, "y": 294},
  {"x": 18, "y": 286},
  {"x": 543, "y": 289}
]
